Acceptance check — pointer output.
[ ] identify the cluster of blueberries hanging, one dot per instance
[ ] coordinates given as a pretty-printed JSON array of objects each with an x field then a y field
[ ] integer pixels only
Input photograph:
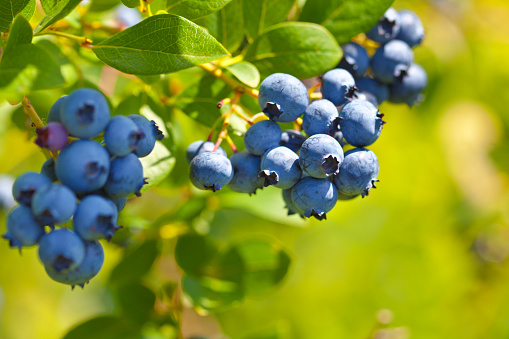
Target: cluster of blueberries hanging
[
  {"x": 308, "y": 164},
  {"x": 85, "y": 180}
]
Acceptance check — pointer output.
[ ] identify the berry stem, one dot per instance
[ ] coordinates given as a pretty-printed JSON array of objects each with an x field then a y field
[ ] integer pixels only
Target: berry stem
[
  {"x": 236, "y": 85},
  {"x": 230, "y": 61},
  {"x": 315, "y": 95},
  {"x": 84, "y": 41},
  {"x": 237, "y": 112},
  {"x": 31, "y": 113},
  {"x": 312, "y": 89},
  {"x": 297, "y": 124},
  {"x": 231, "y": 143}
]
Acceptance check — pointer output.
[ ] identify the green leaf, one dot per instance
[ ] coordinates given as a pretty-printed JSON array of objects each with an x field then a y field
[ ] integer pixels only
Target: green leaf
[
  {"x": 29, "y": 10},
  {"x": 103, "y": 5},
  {"x": 159, "y": 44},
  {"x": 136, "y": 301},
  {"x": 345, "y": 18},
  {"x": 261, "y": 14},
  {"x": 301, "y": 49},
  {"x": 210, "y": 293},
  {"x": 103, "y": 327},
  {"x": 136, "y": 263},
  {"x": 193, "y": 9},
  {"x": 20, "y": 53},
  {"x": 193, "y": 252},
  {"x": 59, "y": 11},
  {"x": 47, "y": 5},
  {"x": 226, "y": 25},
  {"x": 8, "y": 11},
  {"x": 15, "y": 91},
  {"x": 157, "y": 165},
  {"x": 257, "y": 265},
  {"x": 131, "y": 3},
  {"x": 246, "y": 72}
]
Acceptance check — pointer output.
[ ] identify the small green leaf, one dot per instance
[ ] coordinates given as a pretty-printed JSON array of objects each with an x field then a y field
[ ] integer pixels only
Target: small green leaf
[
  {"x": 136, "y": 263},
  {"x": 59, "y": 11},
  {"x": 226, "y": 25},
  {"x": 301, "y": 49},
  {"x": 159, "y": 44},
  {"x": 257, "y": 265},
  {"x": 136, "y": 301},
  {"x": 193, "y": 9},
  {"x": 210, "y": 293},
  {"x": 8, "y": 11},
  {"x": 29, "y": 10},
  {"x": 157, "y": 165},
  {"x": 15, "y": 91},
  {"x": 246, "y": 72},
  {"x": 47, "y": 5},
  {"x": 261, "y": 14},
  {"x": 345, "y": 18},
  {"x": 131, "y": 3},
  {"x": 103, "y": 5},
  {"x": 193, "y": 252},
  {"x": 103, "y": 327}
]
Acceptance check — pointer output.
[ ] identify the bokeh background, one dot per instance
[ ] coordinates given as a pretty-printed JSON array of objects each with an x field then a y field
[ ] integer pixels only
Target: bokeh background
[{"x": 424, "y": 256}]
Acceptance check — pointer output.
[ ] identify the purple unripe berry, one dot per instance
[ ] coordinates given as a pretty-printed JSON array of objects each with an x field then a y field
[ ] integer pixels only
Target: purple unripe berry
[
  {"x": 210, "y": 171},
  {"x": 125, "y": 177},
  {"x": 83, "y": 166},
  {"x": 54, "y": 204},
  {"x": 22, "y": 228},
  {"x": 26, "y": 185},
  {"x": 338, "y": 86},
  {"x": 122, "y": 136},
  {"x": 245, "y": 173},
  {"x": 387, "y": 27},
  {"x": 199, "y": 147},
  {"x": 283, "y": 97},
  {"x": 280, "y": 167},
  {"x": 96, "y": 218},
  {"x": 85, "y": 113},
  {"x": 62, "y": 250},
  {"x": 314, "y": 197},
  {"x": 53, "y": 136},
  {"x": 150, "y": 130},
  {"x": 262, "y": 136},
  {"x": 81, "y": 274},
  {"x": 320, "y": 156}
]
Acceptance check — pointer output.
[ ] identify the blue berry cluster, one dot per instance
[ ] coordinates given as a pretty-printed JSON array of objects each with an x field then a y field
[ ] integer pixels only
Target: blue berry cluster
[
  {"x": 86, "y": 181},
  {"x": 309, "y": 165}
]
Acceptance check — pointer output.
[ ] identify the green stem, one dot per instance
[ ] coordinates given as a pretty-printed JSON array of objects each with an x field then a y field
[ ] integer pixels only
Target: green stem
[
  {"x": 81, "y": 39},
  {"x": 37, "y": 122},
  {"x": 230, "y": 81}
]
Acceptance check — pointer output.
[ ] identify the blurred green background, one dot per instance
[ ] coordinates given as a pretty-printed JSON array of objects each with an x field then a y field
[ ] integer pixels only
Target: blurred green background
[{"x": 424, "y": 256}]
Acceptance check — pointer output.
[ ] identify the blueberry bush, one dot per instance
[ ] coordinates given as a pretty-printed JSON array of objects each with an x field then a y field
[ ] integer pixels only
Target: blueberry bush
[{"x": 150, "y": 134}]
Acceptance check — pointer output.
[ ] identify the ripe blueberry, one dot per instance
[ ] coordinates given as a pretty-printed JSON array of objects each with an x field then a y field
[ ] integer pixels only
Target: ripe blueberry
[{"x": 210, "y": 171}]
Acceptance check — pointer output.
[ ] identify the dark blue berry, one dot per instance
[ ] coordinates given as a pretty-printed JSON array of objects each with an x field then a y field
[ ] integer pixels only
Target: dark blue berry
[
  {"x": 314, "y": 197},
  {"x": 411, "y": 30},
  {"x": 210, "y": 171},
  {"x": 61, "y": 250},
  {"x": 280, "y": 167},
  {"x": 54, "y": 112},
  {"x": 320, "y": 156},
  {"x": 95, "y": 218},
  {"x": 245, "y": 173},
  {"x": 391, "y": 60},
  {"x": 151, "y": 132},
  {"x": 387, "y": 27},
  {"x": 361, "y": 124},
  {"x": 126, "y": 177},
  {"x": 26, "y": 185},
  {"x": 355, "y": 59},
  {"x": 54, "y": 204},
  {"x": 321, "y": 117},
  {"x": 292, "y": 139},
  {"x": 199, "y": 147},
  {"x": 22, "y": 228},
  {"x": 48, "y": 169},
  {"x": 338, "y": 86},
  {"x": 408, "y": 89},
  {"x": 122, "y": 136},
  {"x": 262, "y": 136},
  {"x": 358, "y": 172},
  {"x": 374, "y": 87}
]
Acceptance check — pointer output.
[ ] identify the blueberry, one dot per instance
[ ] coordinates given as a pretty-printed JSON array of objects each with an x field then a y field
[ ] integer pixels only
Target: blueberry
[
  {"x": 53, "y": 136},
  {"x": 54, "y": 111},
  {"x": 81, "y": 274},
  {"x": 210, "y": 171},
  {"x": 338, "y": 86},
  {"x": 119, "y": 203},
  {"x": 262, "y": 136},
  {"x": 391, "y": 60},
  {"x": 374, "y": 87},
  {"x": 361, "y": 124},
  {"x": 95, "y": 218},
  {"x": 366, "y": 96},
  {"x": 411, "y": 30},
  {"x": 126, "y": 177},
  {"x": 408, "y": 89},
  {"x": 355, "y": 59},
  {"x": 283, "y": 97},
  {"x": 199, "y": 147},
  {"x": 314, "y": 197},
  {"x": 321, "y": 117},
  {"x": 287, "y": 198},
  {"x": 320, "y": 156},
  {"x": 22, "y": 228},
  {"x": 26, "y": 185},
  {"x": 292, "y": 139},
  {"x": 54, "y": 204},
  {"x": 280, "y": 167},
  {"x": 48, "y": 169},
  {"x": 338, "y": 135},
  {"x": 122, "y": 136},
  {"x": 387, "y": 27},
  {"x": 358, "y": 172},
  {"x": 150, "y": 130},
  {"x": 61, "y": 250},
  {"x": 6, "y": 199},
  {"x": 245, "y": 173},
  {"x": 83, "y": 166},
  {"x": 85, "y": 113}
]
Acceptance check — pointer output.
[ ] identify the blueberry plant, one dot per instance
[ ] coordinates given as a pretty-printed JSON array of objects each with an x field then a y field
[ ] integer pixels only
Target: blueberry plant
[{"x": 117, "y": 73}]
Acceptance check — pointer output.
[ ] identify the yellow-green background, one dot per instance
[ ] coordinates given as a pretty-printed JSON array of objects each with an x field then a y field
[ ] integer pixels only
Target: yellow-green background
[{"x": 430, "y": 244}]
